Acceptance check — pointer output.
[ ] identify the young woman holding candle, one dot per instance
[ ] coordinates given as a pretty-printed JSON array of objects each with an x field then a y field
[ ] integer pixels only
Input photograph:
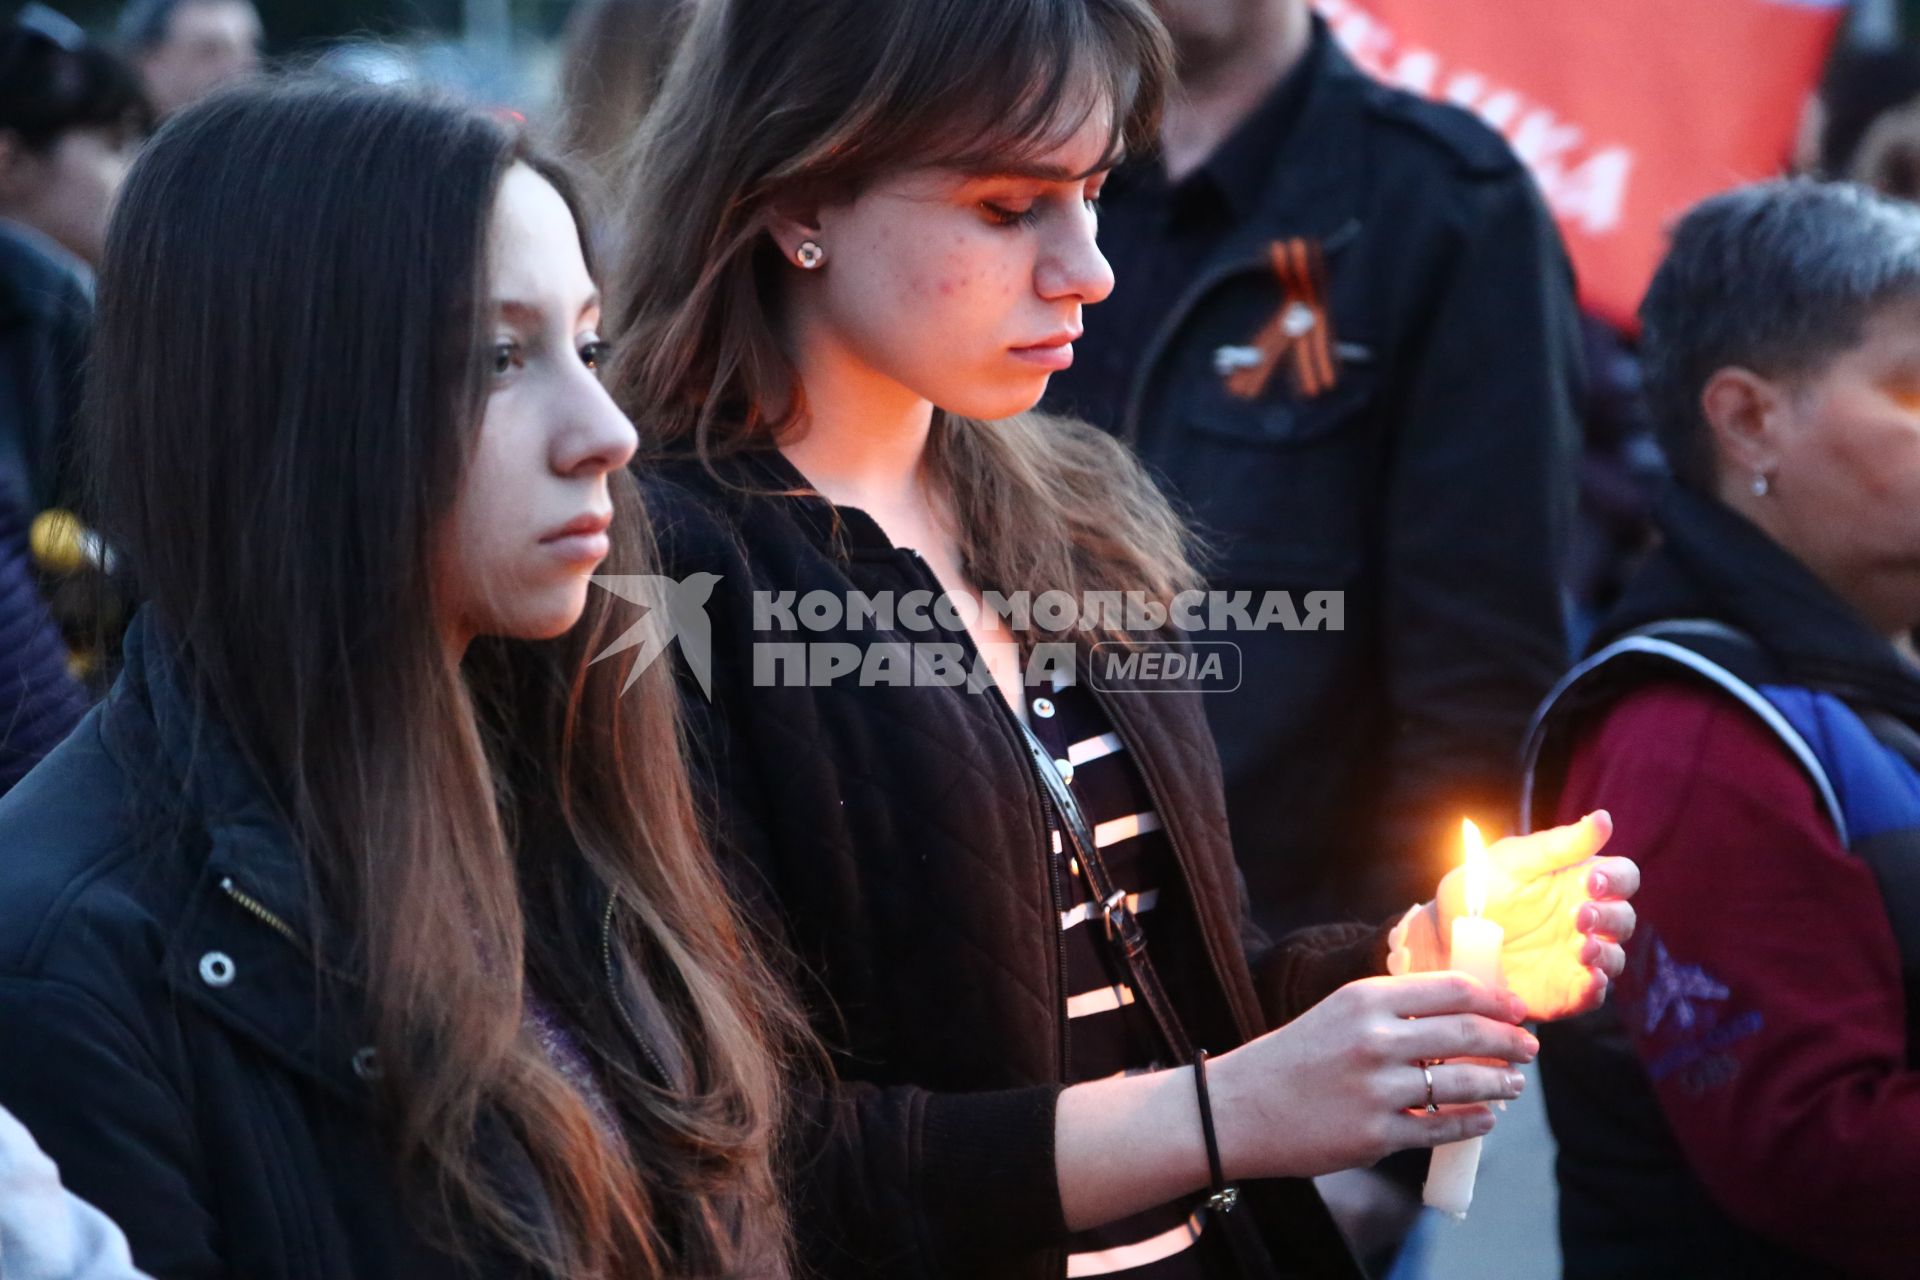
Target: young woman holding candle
[
  {"x": 861, "y": 240},
  {"x": 366, "y": 929}
]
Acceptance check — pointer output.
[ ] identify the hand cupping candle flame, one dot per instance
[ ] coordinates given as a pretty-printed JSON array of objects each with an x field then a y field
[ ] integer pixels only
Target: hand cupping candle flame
[
  {"x": 1563, "y": 908},
  {"x": 1565, "y": 911}
]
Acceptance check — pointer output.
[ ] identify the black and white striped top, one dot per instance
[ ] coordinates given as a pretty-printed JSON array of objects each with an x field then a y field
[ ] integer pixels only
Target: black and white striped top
[{"x": 1108, "y": 1033}]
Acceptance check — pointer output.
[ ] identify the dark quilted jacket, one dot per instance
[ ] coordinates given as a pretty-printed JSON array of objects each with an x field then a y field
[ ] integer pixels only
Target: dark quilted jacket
[
  {"x": 896, "y": 838},
  {"x": 39, "y": 701}
]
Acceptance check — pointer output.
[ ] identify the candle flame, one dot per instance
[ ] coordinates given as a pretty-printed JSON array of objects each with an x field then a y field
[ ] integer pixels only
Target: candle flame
[{"x": 1477, "y": 867}]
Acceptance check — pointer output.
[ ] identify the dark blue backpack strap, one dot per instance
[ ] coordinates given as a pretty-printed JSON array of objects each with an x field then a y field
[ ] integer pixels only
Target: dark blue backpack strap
[
  {"x": 1698, "y": 648},
  {"x": 1894, "y": 859}
]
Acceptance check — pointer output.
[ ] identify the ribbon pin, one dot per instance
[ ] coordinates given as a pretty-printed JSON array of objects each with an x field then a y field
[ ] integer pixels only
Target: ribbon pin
[{"x": 1298, "y": 333}]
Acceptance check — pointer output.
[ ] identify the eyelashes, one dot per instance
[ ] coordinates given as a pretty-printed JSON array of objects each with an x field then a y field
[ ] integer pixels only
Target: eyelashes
[
  {"x": 506, "y": 355},
  {"x": 1004, "y": 216}
]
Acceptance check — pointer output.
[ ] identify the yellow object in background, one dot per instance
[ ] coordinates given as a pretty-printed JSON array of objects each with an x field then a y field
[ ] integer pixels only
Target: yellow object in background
[
  {"x": 60, "y": 543},
  {"x": 73, "y": 562}
]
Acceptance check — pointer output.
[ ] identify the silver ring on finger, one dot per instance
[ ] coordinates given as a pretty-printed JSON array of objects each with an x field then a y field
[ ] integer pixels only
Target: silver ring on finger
[{"x": 1426, "y": 1069}]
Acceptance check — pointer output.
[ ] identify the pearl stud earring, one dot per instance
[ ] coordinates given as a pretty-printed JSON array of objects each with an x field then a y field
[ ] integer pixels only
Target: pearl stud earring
[{"x": 809, "y": 255}]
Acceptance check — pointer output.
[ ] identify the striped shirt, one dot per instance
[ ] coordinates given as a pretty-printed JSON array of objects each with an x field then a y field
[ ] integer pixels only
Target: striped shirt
[{"x": 1108, "y": 1032}]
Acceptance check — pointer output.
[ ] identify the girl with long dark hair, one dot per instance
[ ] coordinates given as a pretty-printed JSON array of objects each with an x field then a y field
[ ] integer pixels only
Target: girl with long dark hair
[
  {"x": 861, "y": 240},
  {"x": 367, "y": 930}
]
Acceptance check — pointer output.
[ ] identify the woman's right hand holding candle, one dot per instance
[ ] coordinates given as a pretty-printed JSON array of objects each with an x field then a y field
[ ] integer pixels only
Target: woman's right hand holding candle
[{"x": 1341, "y": 1086}]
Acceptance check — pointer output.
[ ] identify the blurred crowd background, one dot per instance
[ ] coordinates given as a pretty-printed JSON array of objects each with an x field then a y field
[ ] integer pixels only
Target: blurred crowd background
[
  {"x": 500, "y": 51},
  {"x": 510, "y": 51}
]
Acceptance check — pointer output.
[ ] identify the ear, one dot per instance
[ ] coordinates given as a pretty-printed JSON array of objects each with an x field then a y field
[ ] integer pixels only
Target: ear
[
  {"x": 793, "y": 223},
  {"x": 1746, "y": 414}
]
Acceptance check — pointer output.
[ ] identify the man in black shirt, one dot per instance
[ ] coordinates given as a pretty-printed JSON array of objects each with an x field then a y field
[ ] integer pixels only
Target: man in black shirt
[{"x": 1344, "y": 335}]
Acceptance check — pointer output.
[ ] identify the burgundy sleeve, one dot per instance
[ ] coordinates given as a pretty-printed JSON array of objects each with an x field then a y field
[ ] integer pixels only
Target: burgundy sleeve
[{"x": 1763, "y": 991}]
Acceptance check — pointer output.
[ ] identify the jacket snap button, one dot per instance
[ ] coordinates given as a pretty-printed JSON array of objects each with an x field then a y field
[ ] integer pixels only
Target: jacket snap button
[
  {"x": 366, "y": 1063},
  {"x": 1066, "y": 770},
  {"x": 1043, "y": 707},
  {"x": 216, "y": 969}
]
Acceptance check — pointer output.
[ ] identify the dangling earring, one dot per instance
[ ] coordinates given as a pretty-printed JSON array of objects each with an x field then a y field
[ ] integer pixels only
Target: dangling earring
[
  {"x": 809, "y": 255},
  {"x": 1761, "y": 485}
]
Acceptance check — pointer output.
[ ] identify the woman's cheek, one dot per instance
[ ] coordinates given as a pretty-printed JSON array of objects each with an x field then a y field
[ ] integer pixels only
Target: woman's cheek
[
  {"x": 946, "y": 274},
  {"x": 1879, "y": 453}
]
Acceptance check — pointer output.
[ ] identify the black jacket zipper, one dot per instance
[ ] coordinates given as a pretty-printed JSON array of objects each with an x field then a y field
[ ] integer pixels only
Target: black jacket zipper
[
  {"x": 265, "y": 915},
  {"x": 254, "y": 907}
]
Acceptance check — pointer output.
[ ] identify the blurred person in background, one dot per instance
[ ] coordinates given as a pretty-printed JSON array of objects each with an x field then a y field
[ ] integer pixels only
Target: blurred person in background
[
  {"x": 366, "y": 928},
  {"x": 1888, "y": 159},
  {"x": 1749, "y": 1105},
  {"x": 1864, "y": 123},
  {"x": 71, "y": 116},
  {"x": 1621, "y": 472},
  {"x": 185, "y": 49},
  {"x": 1344, "y": 333},
  {"x": 1859, "y": 88},
  {"x": 1344, "y": 336}
]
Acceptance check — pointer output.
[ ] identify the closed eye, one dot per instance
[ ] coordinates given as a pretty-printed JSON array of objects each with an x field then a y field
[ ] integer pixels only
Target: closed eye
[{"x": 1005, "y": 216}]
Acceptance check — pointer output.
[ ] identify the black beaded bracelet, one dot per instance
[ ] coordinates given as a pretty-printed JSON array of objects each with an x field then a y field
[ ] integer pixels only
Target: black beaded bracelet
[{"x": 1224, "y": 1196}]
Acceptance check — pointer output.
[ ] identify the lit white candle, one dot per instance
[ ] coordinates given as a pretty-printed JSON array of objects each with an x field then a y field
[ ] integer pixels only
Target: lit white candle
[{"x": 1474, "y": 949}]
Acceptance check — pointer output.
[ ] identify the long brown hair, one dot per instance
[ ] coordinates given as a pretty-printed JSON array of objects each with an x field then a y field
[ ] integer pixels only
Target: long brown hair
[
  {"x": 770, "y": 100},
  {"x": 287, "y": 388}
]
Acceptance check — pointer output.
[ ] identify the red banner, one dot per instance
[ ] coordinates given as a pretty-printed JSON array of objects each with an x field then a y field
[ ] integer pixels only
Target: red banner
[{"x": 1627, "y": 111}]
